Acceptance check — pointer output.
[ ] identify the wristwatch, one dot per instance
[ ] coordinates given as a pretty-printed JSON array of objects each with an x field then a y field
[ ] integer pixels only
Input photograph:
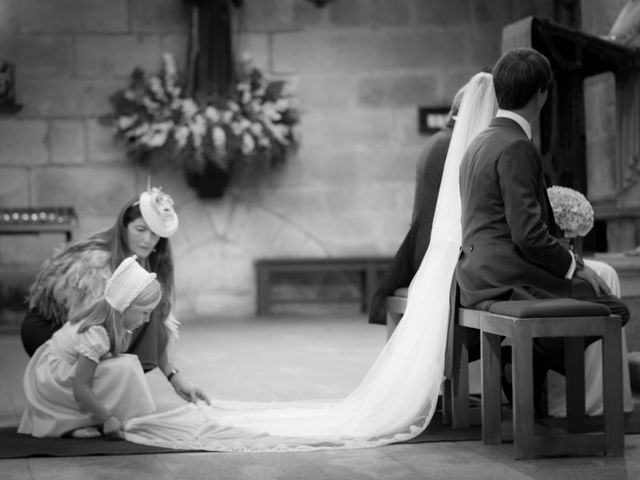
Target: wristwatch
[
  {"x": 171, "y": 374},
  {"x": 579, "y": 262}
]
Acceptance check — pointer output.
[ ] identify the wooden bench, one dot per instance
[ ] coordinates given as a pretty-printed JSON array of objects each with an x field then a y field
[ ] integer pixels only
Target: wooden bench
[
  {"x": 38, "y": 220},
  {"x": 368, "y": 270}
]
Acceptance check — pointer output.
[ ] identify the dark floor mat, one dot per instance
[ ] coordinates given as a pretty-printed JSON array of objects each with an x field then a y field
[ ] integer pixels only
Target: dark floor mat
[{"x": 14, "y": 445}]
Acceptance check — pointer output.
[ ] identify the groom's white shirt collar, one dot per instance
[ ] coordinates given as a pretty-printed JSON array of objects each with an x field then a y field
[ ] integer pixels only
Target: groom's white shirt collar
[{"x": 518, "y": 119}]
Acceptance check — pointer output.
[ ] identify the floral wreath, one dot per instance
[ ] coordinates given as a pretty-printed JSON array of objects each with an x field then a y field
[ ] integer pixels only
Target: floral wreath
[{"x": 256, "y": 120}]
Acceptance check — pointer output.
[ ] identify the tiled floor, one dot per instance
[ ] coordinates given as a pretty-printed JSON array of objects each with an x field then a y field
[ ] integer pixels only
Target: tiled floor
[{"x": 286, "y": 359}]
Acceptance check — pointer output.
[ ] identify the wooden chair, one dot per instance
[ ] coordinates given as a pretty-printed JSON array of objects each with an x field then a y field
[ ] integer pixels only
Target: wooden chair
[
  {"x": 396, "y": 305},
  {"x": 522, "y": 321},
  {"x": 456, "y": 407}
]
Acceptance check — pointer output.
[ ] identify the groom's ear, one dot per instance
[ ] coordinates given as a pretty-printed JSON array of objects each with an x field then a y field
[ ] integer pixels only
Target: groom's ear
[{"x": 542, "y": 96}]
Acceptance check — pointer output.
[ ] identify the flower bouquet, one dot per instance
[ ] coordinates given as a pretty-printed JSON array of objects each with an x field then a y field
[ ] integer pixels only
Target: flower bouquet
[
  {"x": 146, "y": 112},
  {"x": 256, "y": 120},
  {"x": 572, "y": 211}
]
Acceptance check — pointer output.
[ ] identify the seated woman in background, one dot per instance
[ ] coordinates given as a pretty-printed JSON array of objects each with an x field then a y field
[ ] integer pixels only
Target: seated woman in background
[{"x": 76, "y": 276}]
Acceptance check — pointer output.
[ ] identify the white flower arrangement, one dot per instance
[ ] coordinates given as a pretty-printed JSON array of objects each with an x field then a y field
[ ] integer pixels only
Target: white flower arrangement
[
  {"x": 256, "y": 119},
  {"x": 572, "y": 211}
]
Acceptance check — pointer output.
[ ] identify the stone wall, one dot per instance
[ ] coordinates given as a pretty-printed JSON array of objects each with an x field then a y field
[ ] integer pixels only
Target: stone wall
[
  {"x": 623, "y": 233},
  {"x": 619, "y": 206},
  {"x": 360, "y": 69}
]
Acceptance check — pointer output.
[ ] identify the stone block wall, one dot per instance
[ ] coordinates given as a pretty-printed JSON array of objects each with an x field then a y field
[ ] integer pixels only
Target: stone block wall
[
  {"x": 359, "y": 67},
  {"x": 623, "y": 229},
  {"x": 620, "y": 207},
  {"x": 70, "y": 56}
]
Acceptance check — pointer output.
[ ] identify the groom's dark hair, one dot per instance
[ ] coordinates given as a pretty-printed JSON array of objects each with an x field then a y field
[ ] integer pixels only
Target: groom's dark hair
[{"x": 518, "y": 75}]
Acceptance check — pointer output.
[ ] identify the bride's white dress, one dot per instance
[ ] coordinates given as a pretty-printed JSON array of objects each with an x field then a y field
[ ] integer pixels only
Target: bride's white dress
[
  {"x": 593, "y": 363},
  {"x": 397, "y": 398}
]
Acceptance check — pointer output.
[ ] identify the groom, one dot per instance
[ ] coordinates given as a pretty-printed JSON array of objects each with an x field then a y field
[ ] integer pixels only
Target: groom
[{"x": 509, "y": 245}]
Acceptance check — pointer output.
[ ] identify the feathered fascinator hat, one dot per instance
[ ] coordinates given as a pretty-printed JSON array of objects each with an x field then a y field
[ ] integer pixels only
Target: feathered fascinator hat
[
  {"x": 126, "y": 283},
  {"x": 157, "y": 211}
]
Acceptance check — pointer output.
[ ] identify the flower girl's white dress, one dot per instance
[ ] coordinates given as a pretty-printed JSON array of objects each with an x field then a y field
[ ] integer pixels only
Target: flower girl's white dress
[{"x": 52, "y": 410}]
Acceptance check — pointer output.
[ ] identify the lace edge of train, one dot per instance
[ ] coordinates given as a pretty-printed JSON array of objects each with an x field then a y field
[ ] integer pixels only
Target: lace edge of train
[{"x": 262, "y": 447}]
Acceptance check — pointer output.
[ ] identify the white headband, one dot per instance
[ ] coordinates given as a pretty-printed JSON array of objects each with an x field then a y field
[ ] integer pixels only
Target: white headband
[{"x": 126, "y": 283}]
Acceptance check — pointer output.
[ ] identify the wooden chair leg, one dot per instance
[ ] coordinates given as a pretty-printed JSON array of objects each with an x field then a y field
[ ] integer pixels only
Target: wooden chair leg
[
  {"x": 612, "y": 389},
  {"x": 263, "y": 291},
  {"x": 369, "y": 287},
  {"x": 447, "y": 401},
  {"x": 491, "y": 389},
  {"x": 459, "y": 406},
  {"x": 522, "y": 378},
  {"x": 574, "y": 383},
  {"x": 393, "y": 319}
]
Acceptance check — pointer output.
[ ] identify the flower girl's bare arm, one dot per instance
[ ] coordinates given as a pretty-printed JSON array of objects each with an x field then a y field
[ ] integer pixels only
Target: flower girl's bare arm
[{"x": 85, "y": 370}]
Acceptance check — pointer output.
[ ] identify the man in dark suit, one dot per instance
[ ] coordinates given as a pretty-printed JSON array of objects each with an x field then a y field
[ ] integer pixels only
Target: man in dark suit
[
  {"x": 509, "y": 246},
  {"x": 414, "y": 246}
]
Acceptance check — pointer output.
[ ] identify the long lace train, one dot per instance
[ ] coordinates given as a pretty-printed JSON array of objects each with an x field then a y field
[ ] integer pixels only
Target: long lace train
[
  {"x": 397, "y": 398},
  {"x": 395, "y": 401}
]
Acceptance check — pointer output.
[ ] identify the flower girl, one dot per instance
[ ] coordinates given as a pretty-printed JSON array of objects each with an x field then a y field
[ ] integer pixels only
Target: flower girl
[{"x": 78, "y": 381}]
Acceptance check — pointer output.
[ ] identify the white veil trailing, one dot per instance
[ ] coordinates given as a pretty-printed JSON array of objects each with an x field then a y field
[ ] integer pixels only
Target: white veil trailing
[{"x": 396, "y": 399}]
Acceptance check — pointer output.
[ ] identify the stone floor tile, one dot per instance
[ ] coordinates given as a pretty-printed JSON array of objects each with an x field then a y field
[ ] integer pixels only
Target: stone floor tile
[
  {"x": 369, "y": 463},
  {"x": 457, "y": 460},
  {"x": 291, "y": 466},
  {"x": 121, "y": 467},
  {"x": 221, "y": 466},
  {"x": 15, "y": 469}
]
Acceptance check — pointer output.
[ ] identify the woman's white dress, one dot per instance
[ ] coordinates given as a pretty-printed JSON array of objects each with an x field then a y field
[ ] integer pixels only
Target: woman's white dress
[
  {"x": 52, "y": 410},
  {"x": 593, "y": 363}
]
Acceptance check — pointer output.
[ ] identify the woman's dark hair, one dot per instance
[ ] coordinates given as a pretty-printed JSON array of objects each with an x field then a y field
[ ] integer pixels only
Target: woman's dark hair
[
  {"x": 160, "y": 260},
  {"x": 114, "y": 240},
  {"x": 519, "y": 75}
]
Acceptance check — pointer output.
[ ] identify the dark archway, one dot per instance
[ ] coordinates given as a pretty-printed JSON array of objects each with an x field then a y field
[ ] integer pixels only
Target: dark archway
[{"x": 211, "y": 65}]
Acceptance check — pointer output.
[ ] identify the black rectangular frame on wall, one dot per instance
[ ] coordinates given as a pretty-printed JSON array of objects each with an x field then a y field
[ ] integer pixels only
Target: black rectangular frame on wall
[
  {"x": 8, "y": 103},
  {"x": 432, "y": 119}
]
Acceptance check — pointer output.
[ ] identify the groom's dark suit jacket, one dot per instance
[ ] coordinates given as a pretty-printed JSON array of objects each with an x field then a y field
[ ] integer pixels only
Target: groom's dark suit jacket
[
  {"x": 509, "y": 250},
  {"x": 509, "y": 245}
]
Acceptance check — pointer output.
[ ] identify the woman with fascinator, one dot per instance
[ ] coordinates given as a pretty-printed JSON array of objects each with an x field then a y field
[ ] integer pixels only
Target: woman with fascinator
[{"x": 75, "y": 277}]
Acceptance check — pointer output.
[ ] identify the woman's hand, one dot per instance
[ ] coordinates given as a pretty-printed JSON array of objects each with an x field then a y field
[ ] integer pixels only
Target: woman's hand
[
  {"x": 188, "y": 391},
  {"x": 112, "y": 427},
  {"x": 599, "y": 285}
]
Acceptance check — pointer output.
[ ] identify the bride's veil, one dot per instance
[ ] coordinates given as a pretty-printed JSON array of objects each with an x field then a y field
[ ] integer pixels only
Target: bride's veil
[{"x": 397, "y": 398}]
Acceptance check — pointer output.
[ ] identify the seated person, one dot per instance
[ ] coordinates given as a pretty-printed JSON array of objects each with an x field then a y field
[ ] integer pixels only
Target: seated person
[{"x": 510, "y": 250}]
